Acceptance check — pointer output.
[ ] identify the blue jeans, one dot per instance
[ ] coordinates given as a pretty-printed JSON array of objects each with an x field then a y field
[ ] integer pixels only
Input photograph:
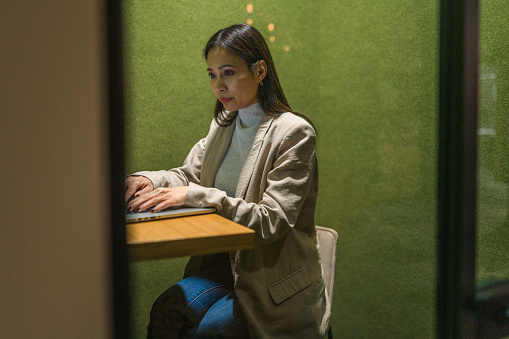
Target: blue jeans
[{"x": 203, "y": 305}]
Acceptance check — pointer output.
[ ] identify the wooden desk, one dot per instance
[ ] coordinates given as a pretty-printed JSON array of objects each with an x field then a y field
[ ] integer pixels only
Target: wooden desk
[{"x": 192, "y": 235}]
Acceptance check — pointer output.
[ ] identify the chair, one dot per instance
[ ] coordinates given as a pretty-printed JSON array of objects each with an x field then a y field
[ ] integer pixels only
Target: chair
[{"x": 327, "y": 244}]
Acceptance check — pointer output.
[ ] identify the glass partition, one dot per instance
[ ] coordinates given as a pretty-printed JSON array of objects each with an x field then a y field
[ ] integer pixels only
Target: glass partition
[
  {"x": 366, "y": 73},
  {"x": 493, "y": 133}
]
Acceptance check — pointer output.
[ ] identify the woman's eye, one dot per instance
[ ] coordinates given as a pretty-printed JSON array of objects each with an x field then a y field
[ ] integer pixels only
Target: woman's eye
[
  {"x": 211, "y": 75},
  {"x": 228, "y": 72}
]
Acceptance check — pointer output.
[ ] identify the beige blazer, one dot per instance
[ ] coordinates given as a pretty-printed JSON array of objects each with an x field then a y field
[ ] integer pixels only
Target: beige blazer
[{"x": 279, "y": 283}]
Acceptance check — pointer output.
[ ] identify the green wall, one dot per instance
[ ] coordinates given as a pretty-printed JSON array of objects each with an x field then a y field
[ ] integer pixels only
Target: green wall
[{"x": 366, "y": 73}]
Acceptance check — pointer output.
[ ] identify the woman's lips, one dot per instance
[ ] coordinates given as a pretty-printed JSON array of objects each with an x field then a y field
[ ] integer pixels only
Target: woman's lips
[{"x": 224, "y": 100}]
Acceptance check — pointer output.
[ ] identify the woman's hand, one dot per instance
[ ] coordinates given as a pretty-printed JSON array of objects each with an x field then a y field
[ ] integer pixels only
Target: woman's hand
[
  {"x": 159, "y": 199},
  {"x": 137, "y": 185}
]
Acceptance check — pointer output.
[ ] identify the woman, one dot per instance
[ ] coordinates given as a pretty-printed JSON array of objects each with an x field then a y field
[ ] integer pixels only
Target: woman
[{"x": 257, "y": 166}]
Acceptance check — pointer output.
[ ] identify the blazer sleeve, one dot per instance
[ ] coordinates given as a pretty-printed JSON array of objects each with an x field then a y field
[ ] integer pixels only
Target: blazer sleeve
[
  {"x": 188, "y": 173},
  {"x": 289, "y": 182}
]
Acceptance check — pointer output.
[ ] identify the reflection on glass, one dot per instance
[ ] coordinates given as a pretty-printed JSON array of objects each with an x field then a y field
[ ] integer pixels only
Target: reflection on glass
[{"x": 493, "y": 134}]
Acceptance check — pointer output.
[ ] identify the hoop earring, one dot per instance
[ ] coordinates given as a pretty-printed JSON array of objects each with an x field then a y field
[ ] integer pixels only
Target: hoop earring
[{"x": 261, "y": 83}]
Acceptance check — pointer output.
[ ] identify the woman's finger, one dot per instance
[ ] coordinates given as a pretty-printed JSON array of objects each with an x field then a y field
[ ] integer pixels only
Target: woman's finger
[
  {"x": 162, "y": 205},
  {"x": 137, "y": 184},
  {"x": 145, "y": 190},
  {"x": 159, "y": 199},
  {"x": 150, "y": 201},
  {"x": 144, "y": 201},
  {"x": 136, "y": 203},
  {"x": 131, "y": 189}
]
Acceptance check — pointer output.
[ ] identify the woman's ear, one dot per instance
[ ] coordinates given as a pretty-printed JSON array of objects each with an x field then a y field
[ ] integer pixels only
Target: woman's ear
[{"x": 261, "y": 70}]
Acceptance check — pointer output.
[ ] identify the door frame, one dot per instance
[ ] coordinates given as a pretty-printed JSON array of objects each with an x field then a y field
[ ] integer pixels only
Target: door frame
[
  {"x": 119, "y": 256},
  {"x": 462, "y": 310}
]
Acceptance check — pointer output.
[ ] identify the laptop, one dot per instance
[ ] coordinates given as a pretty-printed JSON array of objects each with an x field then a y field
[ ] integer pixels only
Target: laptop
[{"x": 171, "y": 212}]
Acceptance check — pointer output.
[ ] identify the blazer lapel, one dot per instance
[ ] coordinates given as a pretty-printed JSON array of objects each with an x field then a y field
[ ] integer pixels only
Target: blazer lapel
[
  {"x": 252, "y": 158},
  {"x": 217, "y": 145}
]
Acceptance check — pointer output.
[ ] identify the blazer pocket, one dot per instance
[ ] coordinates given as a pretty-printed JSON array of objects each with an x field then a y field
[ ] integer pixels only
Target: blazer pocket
[{"x": 290, "y": 285}]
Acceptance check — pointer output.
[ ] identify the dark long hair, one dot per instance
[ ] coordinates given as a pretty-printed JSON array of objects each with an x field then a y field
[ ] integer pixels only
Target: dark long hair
[{"x": 247, "y": 42}]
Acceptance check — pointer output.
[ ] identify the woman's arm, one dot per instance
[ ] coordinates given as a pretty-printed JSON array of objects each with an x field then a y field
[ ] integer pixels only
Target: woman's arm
[
  {"x": 181, "y": 176},
  {"x": 158, "y": 183},
  {"x": 291, "y": 180}
]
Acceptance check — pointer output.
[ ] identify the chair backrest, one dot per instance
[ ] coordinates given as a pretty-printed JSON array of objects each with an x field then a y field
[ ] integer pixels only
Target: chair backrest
[{"x": 327, "y": 244}]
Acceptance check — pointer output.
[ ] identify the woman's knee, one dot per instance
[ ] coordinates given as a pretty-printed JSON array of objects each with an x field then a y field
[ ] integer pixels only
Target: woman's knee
[
  {"x": 166, "y": 317},
  {"x": 181, "y": 307},
  {"x": 224, "y": 319}
]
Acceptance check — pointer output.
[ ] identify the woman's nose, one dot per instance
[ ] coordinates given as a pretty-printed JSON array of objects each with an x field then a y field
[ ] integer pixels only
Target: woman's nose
[{"x": 220, "y": 85}]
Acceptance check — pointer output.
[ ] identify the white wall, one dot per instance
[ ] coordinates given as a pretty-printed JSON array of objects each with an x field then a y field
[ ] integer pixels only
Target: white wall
[{"x": 54, "y": 256}]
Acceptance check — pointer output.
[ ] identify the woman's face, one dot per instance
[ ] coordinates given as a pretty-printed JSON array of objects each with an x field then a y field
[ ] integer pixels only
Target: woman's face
[{"x": 231, "y": 80}]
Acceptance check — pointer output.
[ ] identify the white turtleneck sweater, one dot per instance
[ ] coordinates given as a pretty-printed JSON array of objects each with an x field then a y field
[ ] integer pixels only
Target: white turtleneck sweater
[{"x": 246, "y": 125}]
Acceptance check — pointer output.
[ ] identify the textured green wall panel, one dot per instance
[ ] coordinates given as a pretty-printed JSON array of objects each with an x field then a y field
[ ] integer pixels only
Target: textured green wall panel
[
  {"x": 366, "y": 73},
  {"x": 379, "y": 87}
]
